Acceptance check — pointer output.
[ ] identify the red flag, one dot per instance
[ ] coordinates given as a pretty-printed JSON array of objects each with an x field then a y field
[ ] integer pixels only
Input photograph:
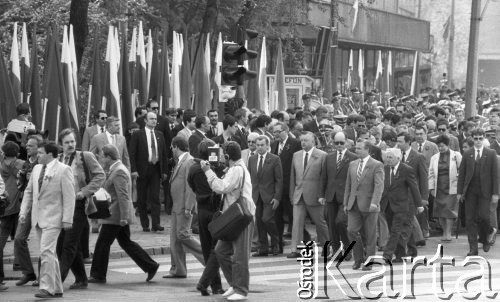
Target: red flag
[
  {"x": 68, "y": 74},
  {"x": 7, "y": 101},
  {"x": 164, "y": 76},
  {"x": 280, "y": 102},
  {"x": 95, "y": 86},
  {"x": 126, "y": 92},
  {"x": 201, "y": 81},
  {"x": 112, "y": 90},
  {"x": 185, "y": 76},
  {"x": 56, "y": 113},
  {"x": 327, "y": 71},
  {"x": 35, "y": 98},
  {"x": 25, "y": 66},
  {"x": 141, "y": 76},
  {"x": 153, "y": 70}
]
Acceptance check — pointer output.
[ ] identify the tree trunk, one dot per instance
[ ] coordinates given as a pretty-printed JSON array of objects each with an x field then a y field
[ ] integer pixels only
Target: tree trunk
[
  {"x": 78, "y": 17},
  {"x": 210, "y": 17}
]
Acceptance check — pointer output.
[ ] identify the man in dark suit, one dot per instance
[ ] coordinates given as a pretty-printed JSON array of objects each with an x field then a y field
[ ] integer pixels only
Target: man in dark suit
[
  {"x": 334, "y": 179},
  {"x": 241, "y": 117},
  {"x": 313, "y": 126},
  {"x": 284, "y": 146},
  {"x": 267, "y": 184},
  {"x": 358, "y": 122},
  {"x": 478, "y": 183},
  {"x": 374, "y": 151},
  {"x": 202, "y": 126},
  {"x": 417, "y": 161},
  {"x": 179, "y": 125},
  {"x": 148, "y": 165},
  {"x": 230, "y": 127},
  {"x": 400, "y": 189},
  {"x": 464, "y": 133},
  {"x": 495, "y": 145}
]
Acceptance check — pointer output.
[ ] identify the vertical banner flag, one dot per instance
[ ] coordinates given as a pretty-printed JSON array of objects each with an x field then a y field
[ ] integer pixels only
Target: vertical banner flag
[
  {"x": 67, "y": 68},
  {"x": 186, "y": 83},
  {"x": 95, "y": 85},
  {"x": 327, "y": 71},
  {"x": 389, "y": 71},
  {"x": 350, "y": 70},
  {"x": 25, "y": 67},
  {"x": 263, "y": 98},
  {"x": 164, "y": 76},
  {"x": 141, "y": 75},
  {"x": 355, "y": 8},
  {"x": 126, "y": 88},
  {"x": 15, "y": 72},
  {"x": 378, "y": 76},
  {"x": 279, "y": 84},
  {"x": 7, "y": 101},
  {"x": 201, "y": 81},
  {"x": 414, "y": 75},
  {"x": 34, "y": 98},
  {"x": 361, "y": 68},
  {"x": 176, "y": 86}
]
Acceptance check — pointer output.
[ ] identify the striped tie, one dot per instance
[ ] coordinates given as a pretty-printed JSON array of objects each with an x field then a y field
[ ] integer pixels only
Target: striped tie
[
  {"x": 360, "y": 171},
  {"x": 339, "y": 159}
]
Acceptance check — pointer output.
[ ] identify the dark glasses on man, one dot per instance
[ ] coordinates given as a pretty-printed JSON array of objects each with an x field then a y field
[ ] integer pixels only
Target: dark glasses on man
[{"x": 339, "y": 143}]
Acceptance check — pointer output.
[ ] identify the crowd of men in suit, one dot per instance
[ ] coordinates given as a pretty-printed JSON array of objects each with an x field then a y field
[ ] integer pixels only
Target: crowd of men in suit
[{"x": 361, "y": 177}]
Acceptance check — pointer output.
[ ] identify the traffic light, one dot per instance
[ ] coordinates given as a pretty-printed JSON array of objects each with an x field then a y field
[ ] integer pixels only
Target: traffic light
[{"x": 232, "y": 71}]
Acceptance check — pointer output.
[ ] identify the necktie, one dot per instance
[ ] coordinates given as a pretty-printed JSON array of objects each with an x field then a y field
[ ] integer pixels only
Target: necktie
[
  {"x": 478, "y": 156},
  {"x": 360, "y": 171},
  {"x": 305, "y": 161},
  {"x": 420, "y": 148},
  {"x": 154, "y": 157},
  {"x": 392, "y": 176},
  {"x": 40, "y": 178},
  {"x": 403, "y": 159},
  {"x": 339, "y": 159},
  {"x": 113, "y": 140},
  {"x": 66, "y": 159},
  {"x": 261, "y": 161},
  {"x": 102, "y": 129},
  {"x": 214, "y": 131},
  {"x": 280, "y": 149}
]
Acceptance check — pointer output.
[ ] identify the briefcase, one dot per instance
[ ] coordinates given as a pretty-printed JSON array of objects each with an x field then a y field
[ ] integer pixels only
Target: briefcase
[
  {"x": 230, "y": 224},
  {"x": 101, "y": 200}
]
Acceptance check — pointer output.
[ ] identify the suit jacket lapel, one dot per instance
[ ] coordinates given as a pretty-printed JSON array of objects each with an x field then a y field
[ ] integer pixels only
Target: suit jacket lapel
[
  {"x": 309, "y": 161},
  {"x": 49, "y": 173},
  {"x": 367, "y": 166},
  {"x": 177, "y": 167}
]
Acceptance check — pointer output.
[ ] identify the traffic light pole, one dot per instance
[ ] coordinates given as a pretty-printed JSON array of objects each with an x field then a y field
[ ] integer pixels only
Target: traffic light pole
[{"x": 472, "y": 63}]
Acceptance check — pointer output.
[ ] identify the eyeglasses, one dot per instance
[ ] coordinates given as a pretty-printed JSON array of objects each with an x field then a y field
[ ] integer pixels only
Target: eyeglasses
[
  {"x": 103, "y": 118},
  {"x": 339, "y": 143},
  {"x": 478, "y": 138},
  {"x": 442, "y": 129},
  {"x": 155, "y": 108}
]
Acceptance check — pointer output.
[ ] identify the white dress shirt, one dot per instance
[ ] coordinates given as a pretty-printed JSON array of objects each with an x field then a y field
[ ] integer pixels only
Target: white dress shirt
[
  {"x": 308, "y": 155},
  {"x": 148, "y": 137}
]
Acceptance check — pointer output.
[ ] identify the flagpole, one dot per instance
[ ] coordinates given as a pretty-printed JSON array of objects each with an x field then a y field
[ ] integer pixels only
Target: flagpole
[
  {"x": 88, "y": 106},
  {"x": 44, "y": 110},
  {"x": 57, "y": 122}
]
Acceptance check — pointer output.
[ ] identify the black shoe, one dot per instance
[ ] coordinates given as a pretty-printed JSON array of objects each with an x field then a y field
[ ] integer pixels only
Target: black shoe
[
  {"x": 218, "y": 291},
  {"x": 472, "y": 253},
  {"x": 486, "y": 247},
  {"x": 25, "y": 279},
  {"x": 366, "y": 268},
  {"x": 356, "y": 265},
  {"x": 78, "y": 285},
  {"x": 420, "y": 243},
  {"x": 16, "y": 267},
  {"x": 43, "y": 294},
  {"x": 152, "y": 273},
  {"x": 157, "y": 228},
  {"x": 170, "y": 276},
  {"x": 202, "y": 290},
  {"x": 260, "y": 254},
  {"x": 293, "y": 255},
  {"x": 97, "y": 281},
  {"x": 146, "y": 230},
  {"x": 58, "y": 295}
]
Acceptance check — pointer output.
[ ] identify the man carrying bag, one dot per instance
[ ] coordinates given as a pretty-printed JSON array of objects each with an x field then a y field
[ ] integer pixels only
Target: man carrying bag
[{"x": 235, "y": 184}]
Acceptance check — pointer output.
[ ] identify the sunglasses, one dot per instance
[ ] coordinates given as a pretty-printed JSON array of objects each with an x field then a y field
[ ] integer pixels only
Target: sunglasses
[
  {"x": 339, "y": 143},
  {"x": 103, "y": 118},
  {"x": 478, "y": 138},
  {"x": 155, "y": 108},
  {"x": 442, "y": 129}
]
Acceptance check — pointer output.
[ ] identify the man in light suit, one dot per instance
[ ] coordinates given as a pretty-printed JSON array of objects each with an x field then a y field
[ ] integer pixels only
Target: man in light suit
[
  {"x": 188, "y": 118},
  {"x": 98, "y": 128},
  {"x": 252, "y": 147},
  {"x": 333, "y": 185},
  {"x": 111, "y": 136},
  {"x": 267, "y": 182},
  {"x": 305, "y": 190},
  {"x": 363, "y": 190},
  {"x": 184, "y": 201},
  {"x": 50, "y": 195}
]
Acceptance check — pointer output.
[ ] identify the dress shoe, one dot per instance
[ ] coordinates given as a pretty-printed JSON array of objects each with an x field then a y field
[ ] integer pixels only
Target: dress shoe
[
  {"x": 366, "y": 268},
  {"x": 218, "y": 291},
  {"x": 472, "y": 253},
  {"x": 58, "y": 295},
  {"x": 228, "y": 292},
  {"x": 97, "y": 281},
  {"x": 356, "y": 265},
  {"x": 420, "y": 243},
  {"x": 236, "y": 297},
  {"x": 78, "y": 285},
  {"x": 260, "y": 254},
  {"x": 492, "y": 236},
  {"x": 43, "y": 294},
  {"x": 486, "y": 247},
  {"x": 170, "y": 276},
  {"x": 202, "y": 290},
  {"x": 146, "y": 230},
  {"x": 25, "y": 279},
  {"x": 293, "y": 255},
  {"x": 152, "y": 273},
  {"x": 157, "y": 228}
]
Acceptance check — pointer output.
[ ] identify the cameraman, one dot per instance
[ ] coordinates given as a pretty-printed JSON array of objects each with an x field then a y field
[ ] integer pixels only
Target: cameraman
[
  {"x": 208, "y": 203},
  {"x": 233, "y": 256}
]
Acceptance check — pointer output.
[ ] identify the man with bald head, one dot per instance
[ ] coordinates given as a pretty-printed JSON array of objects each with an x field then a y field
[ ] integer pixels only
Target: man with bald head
[
  {"x": 333, "y": 184},
  {"x": 148, "y": 163}
]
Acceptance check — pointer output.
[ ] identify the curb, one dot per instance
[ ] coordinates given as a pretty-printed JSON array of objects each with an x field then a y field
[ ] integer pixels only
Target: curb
[{"x": 112, "y": 255}]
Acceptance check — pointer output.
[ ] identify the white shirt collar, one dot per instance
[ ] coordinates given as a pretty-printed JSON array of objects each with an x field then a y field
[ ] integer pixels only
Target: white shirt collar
[
  {"x": 396, "y": 167},
  {"x": 480, "y": 151},
  {"x": 263, "y": 155},
  {"x": 51, "y": 164}
]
